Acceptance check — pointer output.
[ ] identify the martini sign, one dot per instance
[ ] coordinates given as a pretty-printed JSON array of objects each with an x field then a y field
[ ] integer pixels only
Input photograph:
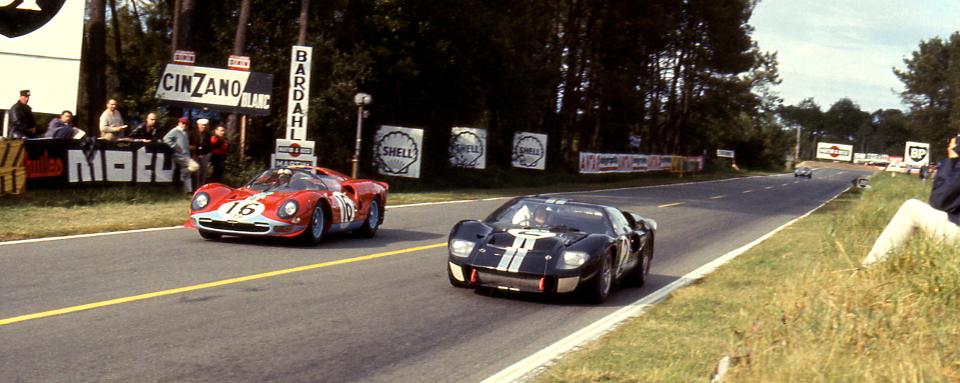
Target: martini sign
[{"x": 835, "y": 152}]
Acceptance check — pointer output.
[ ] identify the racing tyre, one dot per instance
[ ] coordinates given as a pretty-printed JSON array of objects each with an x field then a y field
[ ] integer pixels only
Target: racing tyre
[
  {"x": 372, "y": 224},
  {"x": 598, "y": 289},
  {"x": 209, "y": 235},
  {"x": 638, "y": 276},
  {"x": 314, "y": 233}
]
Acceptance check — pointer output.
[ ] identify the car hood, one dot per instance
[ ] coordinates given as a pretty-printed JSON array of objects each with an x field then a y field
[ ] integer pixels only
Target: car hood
[{"x": 530, "y": 251}]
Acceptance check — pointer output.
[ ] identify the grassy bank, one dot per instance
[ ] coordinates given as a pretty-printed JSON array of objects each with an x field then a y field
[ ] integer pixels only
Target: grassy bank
[
  {"x": 94, "y": 209},
  {"x": 797, "y": 309}
]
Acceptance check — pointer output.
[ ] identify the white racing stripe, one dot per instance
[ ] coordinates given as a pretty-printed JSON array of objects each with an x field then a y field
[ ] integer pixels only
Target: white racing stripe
[
  {"x": 521, "y": 254},
  {"x": 526, "y": 368},
  {"x": 509, "y": 254}
]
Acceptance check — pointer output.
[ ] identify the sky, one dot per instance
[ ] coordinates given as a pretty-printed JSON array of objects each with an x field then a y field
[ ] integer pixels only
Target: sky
[{"x": 830, "y": 49}]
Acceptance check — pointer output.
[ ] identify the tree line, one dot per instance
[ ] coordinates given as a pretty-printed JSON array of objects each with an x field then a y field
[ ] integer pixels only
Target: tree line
[{"x": 684, "y": 76}]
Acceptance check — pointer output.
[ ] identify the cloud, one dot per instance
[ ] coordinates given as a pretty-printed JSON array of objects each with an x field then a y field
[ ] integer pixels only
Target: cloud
[{"x": 829, "y": 50}]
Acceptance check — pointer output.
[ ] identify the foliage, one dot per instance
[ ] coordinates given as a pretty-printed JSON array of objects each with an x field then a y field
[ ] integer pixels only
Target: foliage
[
  {"x": 685, "y": 76},
  {"x": 931, "y": 82}
]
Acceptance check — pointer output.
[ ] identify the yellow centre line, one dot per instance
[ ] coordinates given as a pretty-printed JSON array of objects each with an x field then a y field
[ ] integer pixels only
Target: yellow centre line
[
  {"x": 134, "y": 298},
  {"x": 718, "y": 196},
  {"x": 671, "y": 204}
]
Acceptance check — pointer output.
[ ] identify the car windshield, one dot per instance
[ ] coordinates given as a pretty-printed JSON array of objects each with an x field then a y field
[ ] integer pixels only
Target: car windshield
[
  {"x": 533, "y": 213},
  {"x": 286, "y": 180}
]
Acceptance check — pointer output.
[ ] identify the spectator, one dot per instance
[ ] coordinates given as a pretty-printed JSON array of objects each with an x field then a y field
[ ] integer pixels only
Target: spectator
[
  {"x": 924, "y": 173},
  {"x": 201, "y": 153},
  {"x": 22, "y": 122},
  {"x": 937, "y": 220},
  {"x": 219, "y": 147},
  {"x": 61, "y": 127},
  {"x": 111, "y": 122},
  {"x": 148, "y": 129},
  {"x": 177, "y": 140}
]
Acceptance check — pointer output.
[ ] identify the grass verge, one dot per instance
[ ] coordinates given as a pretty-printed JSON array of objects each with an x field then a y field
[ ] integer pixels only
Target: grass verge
[
  {"x": 94, "y": 209},
  {"x": 796, "y": 308}
]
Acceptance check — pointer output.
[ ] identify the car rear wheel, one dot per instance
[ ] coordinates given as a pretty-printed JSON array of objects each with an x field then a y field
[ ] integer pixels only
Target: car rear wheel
[
  {"x": 372, "y": 224},
  {"x": 598, "y": 289},
  {"x": 209, "y": 235},
  {"x": 314, "y": 233}
]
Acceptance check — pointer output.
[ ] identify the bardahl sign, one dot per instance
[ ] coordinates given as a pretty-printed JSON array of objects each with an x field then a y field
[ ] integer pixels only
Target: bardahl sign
[
  {"x": 529, "y": 150},
  {"x": 397, "y": 151},
  {"x": 219, "y": 89},
  {"x": 468, "y": 148}
]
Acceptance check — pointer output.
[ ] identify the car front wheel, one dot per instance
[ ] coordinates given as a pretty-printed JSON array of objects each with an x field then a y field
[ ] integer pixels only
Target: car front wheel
[
  {"x": 314, "y": 233},
  {"x": 598, "y": 289}
]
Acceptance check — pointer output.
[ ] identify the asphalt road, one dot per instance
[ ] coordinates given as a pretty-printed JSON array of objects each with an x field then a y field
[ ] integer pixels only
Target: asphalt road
[{"x": 390, "y": 318}]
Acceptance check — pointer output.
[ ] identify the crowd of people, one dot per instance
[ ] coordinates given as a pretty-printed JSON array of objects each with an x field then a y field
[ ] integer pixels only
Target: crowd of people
[{"x": 196, "y": 148}]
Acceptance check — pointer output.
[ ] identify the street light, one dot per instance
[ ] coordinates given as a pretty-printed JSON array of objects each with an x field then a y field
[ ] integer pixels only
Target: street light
[{"x": 360, "y": 99}]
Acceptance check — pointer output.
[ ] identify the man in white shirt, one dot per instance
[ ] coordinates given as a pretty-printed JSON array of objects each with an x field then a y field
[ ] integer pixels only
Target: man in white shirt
[{"x": 111, "y": 122}]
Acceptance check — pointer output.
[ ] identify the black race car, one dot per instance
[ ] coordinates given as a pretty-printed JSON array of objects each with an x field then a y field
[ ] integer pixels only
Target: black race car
[{"x": 552, "y": 245}]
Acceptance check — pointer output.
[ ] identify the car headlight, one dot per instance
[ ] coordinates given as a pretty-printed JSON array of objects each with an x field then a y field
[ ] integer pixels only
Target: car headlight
[
  {"x": 288, "y": 209},
  {"x": 572, "y": 259},
  {"x": 461, "y": 248},
  {"x": 200, "y": 201}
]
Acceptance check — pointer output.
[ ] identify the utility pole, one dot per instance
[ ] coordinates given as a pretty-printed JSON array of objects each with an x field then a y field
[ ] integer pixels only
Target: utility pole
[{"x": 796, "y": 149}]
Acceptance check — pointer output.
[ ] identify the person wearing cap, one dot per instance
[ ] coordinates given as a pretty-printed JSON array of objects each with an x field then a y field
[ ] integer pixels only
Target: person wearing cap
[
  {"x": 22, "y": 122},
  {"x": 111, "y": 122},
  {"x": 177, "y": 140},
  {"x": 200, "y": 143}
]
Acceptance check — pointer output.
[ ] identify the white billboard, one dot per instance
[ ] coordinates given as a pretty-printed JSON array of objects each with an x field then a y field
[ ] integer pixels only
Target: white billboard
[
  {"x": 835, "y": 152},
  {"x": 299, "y": 96},
  {"x": 226, "y": 90},
  {"x": 397, "y": 151},
  {"x": 468, "y": 148},
  {"x": 40, "y": 45},
  {"x": 916, "y": 153},
  {"x": 294, "y": 152},
  {"x": 529, "y": 150}
]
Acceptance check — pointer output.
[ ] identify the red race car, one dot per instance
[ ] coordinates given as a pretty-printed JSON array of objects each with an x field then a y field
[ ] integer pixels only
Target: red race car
[{"x": 292, "y": 201}]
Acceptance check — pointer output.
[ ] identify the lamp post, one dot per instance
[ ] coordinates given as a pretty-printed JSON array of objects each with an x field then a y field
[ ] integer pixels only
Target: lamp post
[{"x": 360, "y": 99}]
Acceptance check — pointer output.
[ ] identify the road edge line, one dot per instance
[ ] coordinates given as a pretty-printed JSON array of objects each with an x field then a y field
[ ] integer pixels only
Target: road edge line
[
  {"x": 528, "y": 367},
  {"x": 74, "y": 236}
]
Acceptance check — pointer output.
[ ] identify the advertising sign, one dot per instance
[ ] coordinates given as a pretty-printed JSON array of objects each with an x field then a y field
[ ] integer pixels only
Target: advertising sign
[
  {"x": 59, "y": 162},
  {"x": 468, "y": 148},
  {"x": 529, "y": 150},
  {"x": 40, "y": 45},
  {"x": 294, "y": 152},
  {"x": 218, "y": 89},
  {"x": 721, "y": 153},
  {"x": 836, "y": 152},
  {"x": 916, "y": 153},
  {"x": 592, "y": 163},
  {"x": 397, "y": 151},
  {"x": 299, "y": 94}
]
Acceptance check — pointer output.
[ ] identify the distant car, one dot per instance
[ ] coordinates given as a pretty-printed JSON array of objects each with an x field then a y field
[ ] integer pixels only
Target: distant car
[
  {"x": 803, "y": 172},
  {"x": 552, "y": 245},
  {"x": 296, "y": 201}
]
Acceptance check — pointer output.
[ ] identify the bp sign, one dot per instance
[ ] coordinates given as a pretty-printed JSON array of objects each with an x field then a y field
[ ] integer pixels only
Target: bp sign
[{"x": 916, "y": 153}]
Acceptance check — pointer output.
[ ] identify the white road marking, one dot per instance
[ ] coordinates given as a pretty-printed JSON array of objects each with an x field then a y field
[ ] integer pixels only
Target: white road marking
[
  {"x": 748, "y": 191},
  {"x": 527, "y": 367},
  {"x": 768, "y": 187},
  {"x": 35, "y": 240},
  {"x": 718, "y": 196}
]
